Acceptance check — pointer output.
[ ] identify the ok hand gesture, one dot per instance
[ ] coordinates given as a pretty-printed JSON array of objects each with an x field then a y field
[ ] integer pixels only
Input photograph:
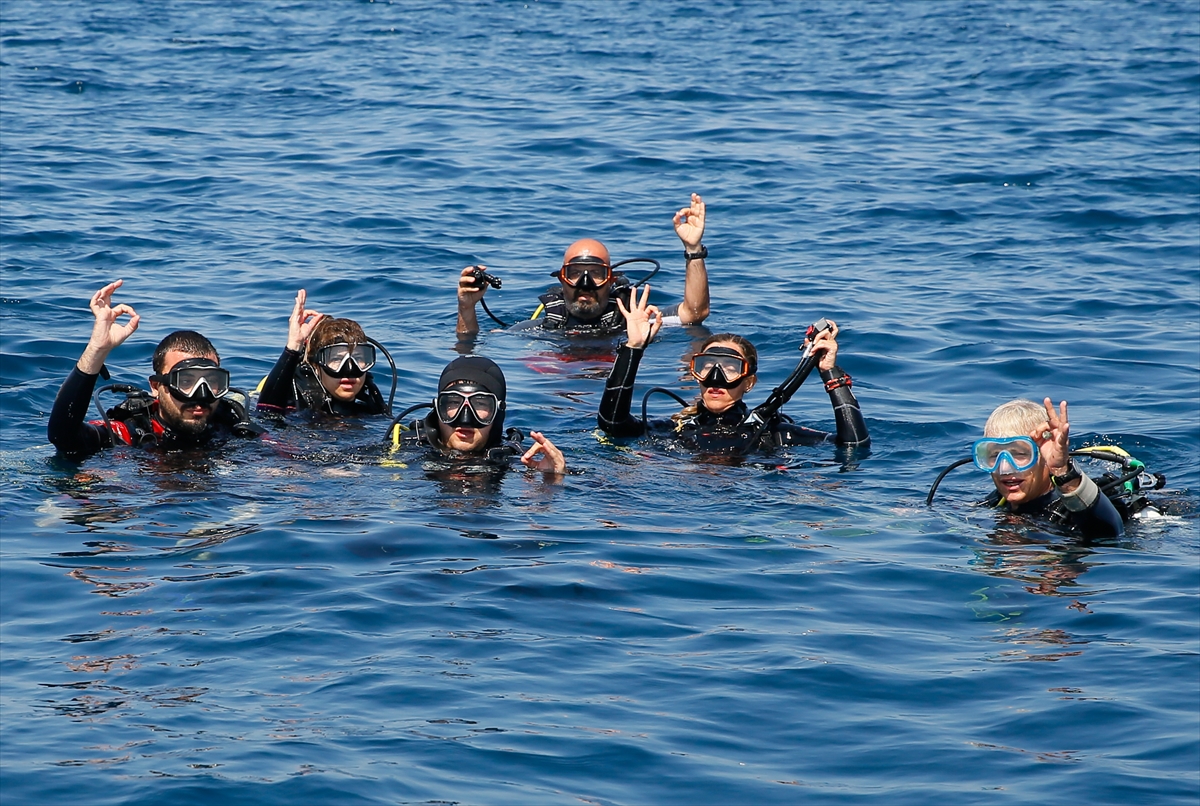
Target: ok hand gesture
[
  {"x": 107, "y": 335},
  {"x": 642, "y": 321},
  {"x": 551, "y": 461},
  {"x": 689, "y": 223},
  {"x": 1056, "y": 444}
]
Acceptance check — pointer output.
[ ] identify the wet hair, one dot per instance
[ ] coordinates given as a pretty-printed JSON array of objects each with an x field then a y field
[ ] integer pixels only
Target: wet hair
[
  {"x": 1016, "y": 418},
  {"x": 748, "y": 351},
  {"x": 185, "y": 341},
  {"x": 334, "y": 331}
]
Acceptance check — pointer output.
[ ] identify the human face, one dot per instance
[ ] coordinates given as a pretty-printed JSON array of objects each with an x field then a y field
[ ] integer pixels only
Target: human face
[
  {"x": 189, "y": 418},
  {"x": 1022, "y": 487},
  {"x": 341, "y": 389},
  {"x": 464, "y": 438},
  {"x": 718, "y": 400},
  {"x": 586, "y": 303}
]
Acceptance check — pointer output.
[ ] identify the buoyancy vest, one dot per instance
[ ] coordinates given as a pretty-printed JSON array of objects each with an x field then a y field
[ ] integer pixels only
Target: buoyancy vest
[
  {"x": 556, "y": 316},
  {"x": 311, "y": 394},
  {"x": 134, "y": 420}
]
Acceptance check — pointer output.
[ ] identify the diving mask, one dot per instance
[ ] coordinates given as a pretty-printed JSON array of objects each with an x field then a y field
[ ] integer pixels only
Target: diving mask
[
  {"x": 346, "y": 361},
  {"x": 585, "y": 272},
  {"x": 197, "y": 380},
  {"x": 1005, "y": 455},
  {"x": 720, "y": 367},
  {"x": 463, "y": 406}
]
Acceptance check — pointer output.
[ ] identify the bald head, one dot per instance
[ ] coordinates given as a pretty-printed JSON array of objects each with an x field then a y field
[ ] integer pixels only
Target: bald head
[{"x": 585, "y": 248}]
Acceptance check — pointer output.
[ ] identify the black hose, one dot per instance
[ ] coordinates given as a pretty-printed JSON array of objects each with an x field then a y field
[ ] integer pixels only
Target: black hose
[
  {"x": 657, "y": 267},
  {"x": 122, "y": 388},
  {"x": 396, "y": 420},
  {"x": 942, "y": 475},
  {"x": 495, "y": 318},
  {"x": 395, "y": 376},
  {"x": 646, "y": 399}
]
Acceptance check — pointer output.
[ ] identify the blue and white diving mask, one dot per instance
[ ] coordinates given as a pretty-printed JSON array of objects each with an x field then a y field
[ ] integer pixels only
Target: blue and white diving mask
[{"x": 1004, "y": 455}]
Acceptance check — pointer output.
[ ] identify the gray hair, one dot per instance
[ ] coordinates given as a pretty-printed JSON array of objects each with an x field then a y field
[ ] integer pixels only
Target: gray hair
[{"x": 1016, "y": 418}]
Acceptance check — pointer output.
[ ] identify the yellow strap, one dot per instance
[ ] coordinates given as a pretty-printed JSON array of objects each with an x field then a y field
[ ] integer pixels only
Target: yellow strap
[
  {"x": 261, "y": 384},
  {"x": 538, "y": 311},
  {"x": 1110, "y": 449}
]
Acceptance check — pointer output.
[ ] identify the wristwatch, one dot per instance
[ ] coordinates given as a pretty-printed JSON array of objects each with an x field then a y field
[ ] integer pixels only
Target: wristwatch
[
  {"x": 1071, "y": 475},
  {"x": 699, "y": 254}
]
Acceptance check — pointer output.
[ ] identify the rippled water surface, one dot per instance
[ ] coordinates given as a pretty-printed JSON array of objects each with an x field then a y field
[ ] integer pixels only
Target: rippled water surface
[{"x": 992, "y": 200}]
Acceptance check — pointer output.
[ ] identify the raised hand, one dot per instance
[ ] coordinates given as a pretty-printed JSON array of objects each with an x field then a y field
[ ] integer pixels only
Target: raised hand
[
  {"x": 1054, "y": 440},
  {"x": 689, "y": 223},
  {"x": 642, "y": 320},
  {"x": 107, "y": 334},
  {"x": 551, "y": 461},
  {"x": 470, "y": 292},
  {"x": 301, "y": 323},
  {"x": 825, "y": 344}
]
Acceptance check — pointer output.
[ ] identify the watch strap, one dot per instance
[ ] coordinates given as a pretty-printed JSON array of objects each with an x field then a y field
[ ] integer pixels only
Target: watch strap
[{"x": 1066, "y": 478}]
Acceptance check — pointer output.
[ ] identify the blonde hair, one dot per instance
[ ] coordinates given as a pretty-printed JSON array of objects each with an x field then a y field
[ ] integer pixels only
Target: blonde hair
[{"x": 1016, "y": 418}]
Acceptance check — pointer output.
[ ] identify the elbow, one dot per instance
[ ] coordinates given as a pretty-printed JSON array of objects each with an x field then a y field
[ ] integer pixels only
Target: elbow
[{"x": 693, "y": 314}]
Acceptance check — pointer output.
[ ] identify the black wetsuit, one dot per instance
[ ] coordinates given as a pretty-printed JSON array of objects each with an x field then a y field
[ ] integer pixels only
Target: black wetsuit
[
  {"x": 293, "y": 385},
  {"x": 557, "y": 316},
  {"x": 134, "y": 422},
  {"x": 1087, "y": 511},
  {"x": 501, "y": 448},
  {"x": 732, "y": 431}
]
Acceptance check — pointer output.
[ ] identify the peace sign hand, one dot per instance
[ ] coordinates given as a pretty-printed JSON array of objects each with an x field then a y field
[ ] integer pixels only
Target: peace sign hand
[
  {"x": 301, "y": 323},
  {"x": 642, "y": 321}
]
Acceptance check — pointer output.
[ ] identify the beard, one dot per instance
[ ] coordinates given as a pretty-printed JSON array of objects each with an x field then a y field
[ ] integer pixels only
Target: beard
[
  {"x": 589, "y": 308},
  {"x": 185, "y": 427},
  {"x": 190, "y": 428}
]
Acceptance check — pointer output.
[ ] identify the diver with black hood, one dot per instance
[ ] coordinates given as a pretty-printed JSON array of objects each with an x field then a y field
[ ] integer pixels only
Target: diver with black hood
[{"x": 467, "y": 421}]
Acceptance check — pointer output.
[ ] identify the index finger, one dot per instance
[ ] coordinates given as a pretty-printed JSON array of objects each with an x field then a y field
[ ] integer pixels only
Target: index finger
[{"x": 108, "y": 290}]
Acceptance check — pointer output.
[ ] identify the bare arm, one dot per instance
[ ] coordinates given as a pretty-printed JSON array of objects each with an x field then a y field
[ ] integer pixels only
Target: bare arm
[
  {"x": 689, "y": 226},
  {"x": 468, "y": 295}
]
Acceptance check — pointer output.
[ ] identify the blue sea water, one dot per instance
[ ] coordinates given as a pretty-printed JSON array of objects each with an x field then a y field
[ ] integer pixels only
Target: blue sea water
[{"x": 991, "y": 199}]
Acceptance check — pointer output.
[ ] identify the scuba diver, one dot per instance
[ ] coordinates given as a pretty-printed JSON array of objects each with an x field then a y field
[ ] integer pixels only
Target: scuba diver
[
  {"x": 324, "y": 368},
  {"x": 1026, "y": 449},
  {"x": 726, "y": 367},
  {"x": 584, "y": 303},
  {"x": 466, "y": 422},
  {"x": 188, "y": 403}
]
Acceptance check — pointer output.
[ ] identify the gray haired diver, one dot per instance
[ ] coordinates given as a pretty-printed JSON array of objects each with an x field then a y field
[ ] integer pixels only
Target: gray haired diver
[
  {"x": 467, "y": 421},
  {"x": 1026, "y": 449},
  {"x": 726, "y": 368}
]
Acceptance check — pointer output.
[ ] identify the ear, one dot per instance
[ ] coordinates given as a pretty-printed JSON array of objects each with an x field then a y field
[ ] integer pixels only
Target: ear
[
  {"x": 154, "y": 389},
  {"x": 750, "y": 381}
]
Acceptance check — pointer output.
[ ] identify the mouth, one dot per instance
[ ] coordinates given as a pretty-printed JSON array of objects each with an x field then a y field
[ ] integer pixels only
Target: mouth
[{"x": 1010, "y": 483}]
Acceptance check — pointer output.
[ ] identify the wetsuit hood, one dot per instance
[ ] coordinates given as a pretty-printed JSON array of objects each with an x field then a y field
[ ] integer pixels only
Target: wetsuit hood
[{"x": 485, "y": 373}]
